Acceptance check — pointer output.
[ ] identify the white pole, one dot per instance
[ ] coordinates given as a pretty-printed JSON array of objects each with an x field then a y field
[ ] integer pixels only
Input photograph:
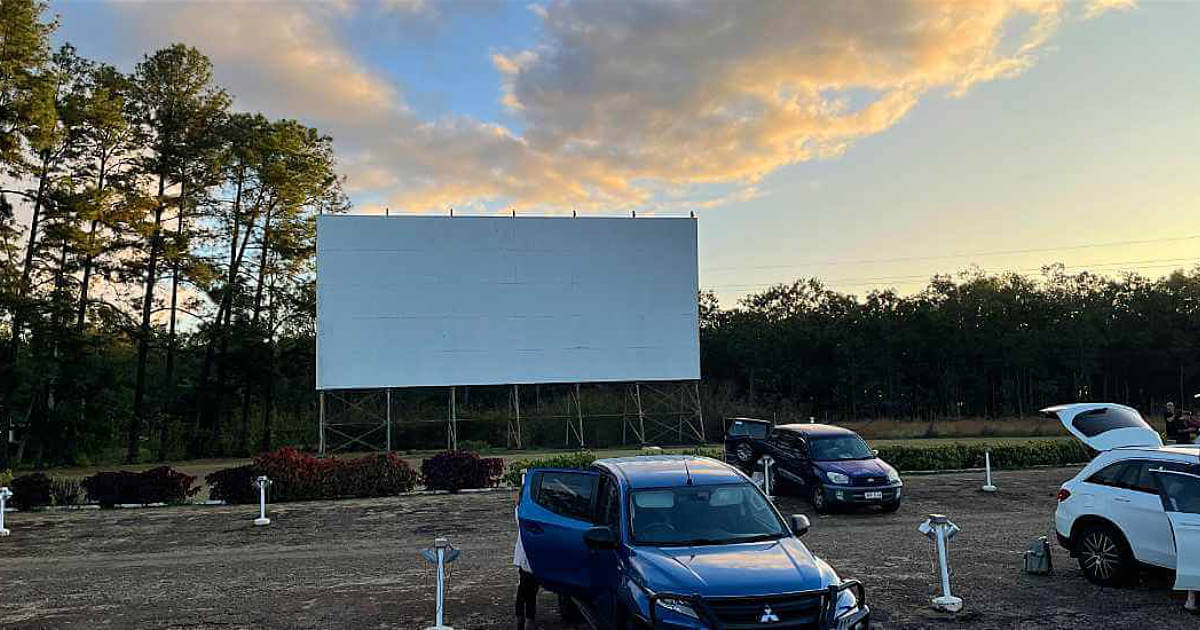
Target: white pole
[
  {"x": 440, "y": 545},
  {"x": 946, "y": 602},
  {"x": 262, "y": 483},
  {"x": 766, "y": 464},
  {"x": 987, "y": 462},
  {"x": 4, "y": 494}
]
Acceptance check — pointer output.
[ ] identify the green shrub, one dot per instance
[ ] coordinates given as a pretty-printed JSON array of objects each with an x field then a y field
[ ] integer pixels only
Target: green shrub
[
  {"x": 577, "y": 459},
  {"x": 479, "y": 446},
  {"x": 715, "y": 452},
  {"x": 5, "y": 478},
  {"x": 157, "y": 485},
  {"x": 30, "y": 491},
  {"x": 1004, "y": 456},
  {"x": 233, "y": 485}
]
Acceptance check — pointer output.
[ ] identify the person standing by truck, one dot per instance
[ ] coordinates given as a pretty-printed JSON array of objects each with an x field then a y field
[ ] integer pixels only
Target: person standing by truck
[{"x": 527, "y": 585}]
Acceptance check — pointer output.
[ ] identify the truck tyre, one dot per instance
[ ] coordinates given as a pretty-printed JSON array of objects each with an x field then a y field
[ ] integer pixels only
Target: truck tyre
[
  {"x": 817, "y": 498},
  {"x": 568, "y": 611},
  {"x": 1104, "y": 557}
]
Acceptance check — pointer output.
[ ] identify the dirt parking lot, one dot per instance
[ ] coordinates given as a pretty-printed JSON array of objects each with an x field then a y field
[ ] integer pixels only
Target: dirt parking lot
[{"x": 354, "y": 564}]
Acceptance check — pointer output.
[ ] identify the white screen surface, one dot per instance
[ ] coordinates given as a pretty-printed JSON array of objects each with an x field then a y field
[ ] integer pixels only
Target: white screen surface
[{"x": 410, "y": 301}]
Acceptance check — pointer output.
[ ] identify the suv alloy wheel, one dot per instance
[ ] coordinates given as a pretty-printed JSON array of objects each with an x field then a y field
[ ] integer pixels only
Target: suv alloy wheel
[
  {"x": 1103, "y": 556},
  {"x": 744, "y": 453},
  {"x": 817, "y": 498}
]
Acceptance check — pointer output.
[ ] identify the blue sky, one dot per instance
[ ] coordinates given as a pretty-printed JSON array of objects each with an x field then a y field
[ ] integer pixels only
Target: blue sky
[{"x": 863, "y": 143}]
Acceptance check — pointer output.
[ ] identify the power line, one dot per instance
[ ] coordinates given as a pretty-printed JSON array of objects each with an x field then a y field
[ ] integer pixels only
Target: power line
[
  {"x": 922, "y": 278},
  {"x": 960, "y": 255}
]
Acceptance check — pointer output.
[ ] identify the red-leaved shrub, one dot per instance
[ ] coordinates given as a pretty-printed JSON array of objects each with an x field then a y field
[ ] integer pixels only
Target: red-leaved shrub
[
  {"x": 461, "y": 470},
  {"x": 298, "y": 476}
]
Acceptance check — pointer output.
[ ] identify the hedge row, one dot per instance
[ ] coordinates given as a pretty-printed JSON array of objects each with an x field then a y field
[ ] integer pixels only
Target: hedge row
[
  {"x": 1004, "y": 456},
  {"x": 157, "y": 485},
  {"x": 461, "y": 470}
]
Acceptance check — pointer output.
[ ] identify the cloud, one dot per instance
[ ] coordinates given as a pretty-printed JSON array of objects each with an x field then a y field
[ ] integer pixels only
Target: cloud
[
  {"x": 1094, "y": 8},
  {"x": 636, "y": 103}
]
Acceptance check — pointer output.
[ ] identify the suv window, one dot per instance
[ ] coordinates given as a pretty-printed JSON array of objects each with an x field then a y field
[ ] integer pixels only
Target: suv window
[
  {"x": 1135, "y": 474},
  {"x": 1118, "y": 475},
  {"x": 752, "y": 429},
  {"x": 567, "y": 493},
  {"x": 1182, "y": 493},
  {"x": 786, "y": 439},
  {"x": 1096, "y": 421}
]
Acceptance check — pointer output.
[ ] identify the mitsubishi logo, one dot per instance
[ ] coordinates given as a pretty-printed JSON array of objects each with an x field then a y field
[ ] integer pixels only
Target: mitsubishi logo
[{"x": 768, "y": 616}]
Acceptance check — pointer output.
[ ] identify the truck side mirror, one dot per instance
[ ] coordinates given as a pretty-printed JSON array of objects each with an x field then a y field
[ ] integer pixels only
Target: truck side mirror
[
  {"x": 601, "y": 537},
  {"x": 800, "y": 524}
]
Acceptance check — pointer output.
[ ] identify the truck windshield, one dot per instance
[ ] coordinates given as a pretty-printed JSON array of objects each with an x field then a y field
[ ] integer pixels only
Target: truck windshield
[
  {"x": 703, "y": 515},
  {"x": 840, "y": 447}
]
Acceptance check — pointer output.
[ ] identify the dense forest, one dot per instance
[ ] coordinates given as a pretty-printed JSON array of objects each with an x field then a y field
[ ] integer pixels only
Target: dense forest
[
  {"x": 967, "y": 345},
  {"x": 157, "y": 295},
  {"x": 156, "y": 254}
]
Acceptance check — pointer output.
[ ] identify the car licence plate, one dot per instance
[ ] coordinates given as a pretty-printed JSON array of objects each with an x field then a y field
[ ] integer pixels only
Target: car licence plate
[{"x": 874, "y": 495}]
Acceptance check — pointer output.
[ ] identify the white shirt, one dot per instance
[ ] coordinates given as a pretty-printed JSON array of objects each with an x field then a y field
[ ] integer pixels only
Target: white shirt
[{"x": 519, "y": 559}]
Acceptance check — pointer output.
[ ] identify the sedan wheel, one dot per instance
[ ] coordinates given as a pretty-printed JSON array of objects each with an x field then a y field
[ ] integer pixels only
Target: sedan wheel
[{"x": 1102, "y": 556}]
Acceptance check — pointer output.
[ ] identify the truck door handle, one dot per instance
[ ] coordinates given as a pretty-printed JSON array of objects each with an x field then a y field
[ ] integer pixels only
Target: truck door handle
[
  {"x": 532, "y": 528},
  {"x": 1120, "y": 500}
]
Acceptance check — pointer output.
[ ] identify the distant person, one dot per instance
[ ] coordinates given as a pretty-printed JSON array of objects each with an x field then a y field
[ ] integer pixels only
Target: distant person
[
  {"x": 527, "y": 586},
  {"x": 1181, "y": 430}
]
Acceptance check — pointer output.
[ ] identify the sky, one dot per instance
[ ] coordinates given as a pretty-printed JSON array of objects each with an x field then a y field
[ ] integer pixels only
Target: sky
[{"x": 868, "y": 143}]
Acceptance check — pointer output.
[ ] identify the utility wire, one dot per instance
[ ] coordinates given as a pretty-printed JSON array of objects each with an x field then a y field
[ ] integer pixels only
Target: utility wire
[
  {"x": 922, "y": 278},
  {"x": 1007, "y": 252}
]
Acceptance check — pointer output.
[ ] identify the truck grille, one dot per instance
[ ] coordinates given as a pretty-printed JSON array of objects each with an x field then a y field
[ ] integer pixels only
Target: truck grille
[{"x": 794, "y": 612}]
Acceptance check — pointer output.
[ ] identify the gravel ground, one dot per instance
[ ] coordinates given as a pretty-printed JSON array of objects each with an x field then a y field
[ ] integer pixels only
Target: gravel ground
[{"x": 353, "y": 564}]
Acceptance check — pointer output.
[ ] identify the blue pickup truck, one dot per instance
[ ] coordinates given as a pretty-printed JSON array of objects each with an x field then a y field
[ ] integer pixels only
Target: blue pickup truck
[{"x": 677, "y": 542}]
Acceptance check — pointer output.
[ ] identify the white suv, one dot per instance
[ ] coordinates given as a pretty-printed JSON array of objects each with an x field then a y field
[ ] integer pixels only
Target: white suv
[{"x": 1116, "y": 515}]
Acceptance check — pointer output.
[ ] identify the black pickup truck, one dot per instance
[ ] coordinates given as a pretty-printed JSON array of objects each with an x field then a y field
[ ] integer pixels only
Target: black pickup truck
[{"x": 829, "y": 465}]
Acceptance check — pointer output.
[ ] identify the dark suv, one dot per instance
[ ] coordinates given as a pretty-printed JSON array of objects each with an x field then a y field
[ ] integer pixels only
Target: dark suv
[{"x": 830, "y": 465}]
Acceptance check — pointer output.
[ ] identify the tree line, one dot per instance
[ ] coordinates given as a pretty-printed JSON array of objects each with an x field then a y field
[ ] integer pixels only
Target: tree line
[
  {"x": 156, "y": 254},
  {"x": 157, "y": 288},
  {"x": 970, "y": 344}
]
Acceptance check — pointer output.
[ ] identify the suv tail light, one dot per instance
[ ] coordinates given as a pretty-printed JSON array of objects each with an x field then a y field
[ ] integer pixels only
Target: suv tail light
[{"x": 1063, "y": 494}]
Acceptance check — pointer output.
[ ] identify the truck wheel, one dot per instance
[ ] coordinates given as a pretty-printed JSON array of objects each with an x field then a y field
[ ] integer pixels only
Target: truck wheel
[
  {"x": 1104, "y": 557},
  {"x": 817, "y": 498},
  {"x": 568, "y": 611}
]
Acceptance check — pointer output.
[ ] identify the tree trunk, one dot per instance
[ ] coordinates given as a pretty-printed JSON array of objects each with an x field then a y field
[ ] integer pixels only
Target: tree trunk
[
  {"x": 139, "y": 391},
  {"x": 89, "y": 258},
  {"x": 170, "y": 367},
  {"x": 244, "y": 432}
]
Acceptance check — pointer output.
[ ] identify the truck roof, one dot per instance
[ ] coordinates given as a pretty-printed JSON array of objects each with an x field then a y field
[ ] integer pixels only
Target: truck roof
[
  {"x": 669, "y": 471},
  {"x": 814, "y": 429}
]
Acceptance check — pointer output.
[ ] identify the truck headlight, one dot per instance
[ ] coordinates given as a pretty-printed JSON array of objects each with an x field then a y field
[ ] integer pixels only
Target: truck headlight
[
  {"x": 838, "y": 478},
  {"x": 678, "y": 606}
]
